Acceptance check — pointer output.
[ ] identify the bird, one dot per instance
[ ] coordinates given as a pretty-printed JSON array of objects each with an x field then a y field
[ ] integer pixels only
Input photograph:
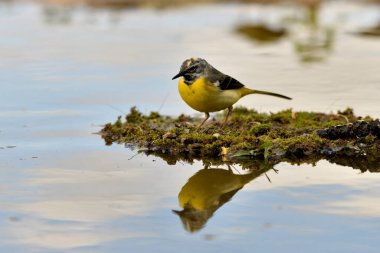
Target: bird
[{"x": 206, "y": 89}]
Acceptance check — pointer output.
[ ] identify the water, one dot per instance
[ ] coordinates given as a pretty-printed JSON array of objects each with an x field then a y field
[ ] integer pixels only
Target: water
[{"x": 66, "y": 71}]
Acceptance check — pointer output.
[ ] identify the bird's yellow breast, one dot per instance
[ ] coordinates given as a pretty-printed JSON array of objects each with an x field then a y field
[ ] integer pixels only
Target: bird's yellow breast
[
  {"x": 204, "y": 96},
  {"x": 206, "y": 188}
]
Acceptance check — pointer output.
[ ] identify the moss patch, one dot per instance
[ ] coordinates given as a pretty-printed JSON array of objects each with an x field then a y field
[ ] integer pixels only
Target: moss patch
[{"x": 273, "y": 137}]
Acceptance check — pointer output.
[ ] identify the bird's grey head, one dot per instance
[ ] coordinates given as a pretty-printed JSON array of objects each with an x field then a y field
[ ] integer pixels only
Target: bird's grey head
[{"x": 192, "y": 69}]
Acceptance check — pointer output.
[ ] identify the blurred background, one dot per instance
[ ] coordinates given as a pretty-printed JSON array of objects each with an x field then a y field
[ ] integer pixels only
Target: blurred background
[
  {"x": 119, "y": 53},
  {"x": 69, "y": 66}
]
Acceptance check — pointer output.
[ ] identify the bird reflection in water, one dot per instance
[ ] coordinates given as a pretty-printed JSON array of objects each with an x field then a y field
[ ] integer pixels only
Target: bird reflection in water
[{"x": 209, "y": 189}]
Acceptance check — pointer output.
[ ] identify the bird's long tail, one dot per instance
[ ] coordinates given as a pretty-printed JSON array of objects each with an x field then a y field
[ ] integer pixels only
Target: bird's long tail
[{"x": 246, "y": 91}]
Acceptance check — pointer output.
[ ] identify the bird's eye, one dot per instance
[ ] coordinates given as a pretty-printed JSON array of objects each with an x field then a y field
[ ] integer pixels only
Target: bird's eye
[{"x": 193, "y": 68}]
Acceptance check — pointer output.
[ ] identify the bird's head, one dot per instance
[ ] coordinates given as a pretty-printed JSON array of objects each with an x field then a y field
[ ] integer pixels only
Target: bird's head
[{"x": 192, "y": 69}]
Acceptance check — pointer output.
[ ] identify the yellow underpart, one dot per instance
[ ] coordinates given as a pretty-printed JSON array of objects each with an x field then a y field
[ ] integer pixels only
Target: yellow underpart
[
  {"x": 204, "y": 96},
  {"x": 205, "y": 188}
]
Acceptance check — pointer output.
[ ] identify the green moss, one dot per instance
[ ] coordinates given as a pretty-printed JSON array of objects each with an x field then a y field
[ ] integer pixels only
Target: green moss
[
  {"x": 285, "y": 134},
  {"x": 118, "y": 123},
  {"x": 347, "y": 112},
  {"x": 134, "y": 116},
  {"x": 154, "y": 115},
  {"x": 282, "y": 117},
  {"x": 303, "y": 145},
  {"x": 260, "y": 129}
]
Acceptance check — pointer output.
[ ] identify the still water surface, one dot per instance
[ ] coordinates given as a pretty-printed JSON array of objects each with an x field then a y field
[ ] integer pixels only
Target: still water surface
[{"x": 66, "y": 71}]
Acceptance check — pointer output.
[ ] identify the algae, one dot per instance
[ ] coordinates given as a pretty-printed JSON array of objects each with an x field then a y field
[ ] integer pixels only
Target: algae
[
  {"x": 261, "y": 33},
  {"x": 273, "y": 137}
]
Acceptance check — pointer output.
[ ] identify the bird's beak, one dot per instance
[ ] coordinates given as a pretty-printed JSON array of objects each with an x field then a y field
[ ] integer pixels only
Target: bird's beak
[{"x": 179, "y": 74}]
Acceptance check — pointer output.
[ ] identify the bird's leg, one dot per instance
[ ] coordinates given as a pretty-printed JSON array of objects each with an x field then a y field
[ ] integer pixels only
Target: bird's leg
[
  {"x": 228, "y": 115},
  {"x": 207, "y": 116},
  {"x": 207, "y": 165}
]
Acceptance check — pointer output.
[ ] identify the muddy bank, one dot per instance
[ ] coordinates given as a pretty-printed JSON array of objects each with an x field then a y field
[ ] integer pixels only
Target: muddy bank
[{"x": 290, "y": 136}]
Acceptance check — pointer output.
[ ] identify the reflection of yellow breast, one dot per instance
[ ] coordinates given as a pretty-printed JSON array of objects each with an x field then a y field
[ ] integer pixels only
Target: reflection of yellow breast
[
  {"x": 206, "y": 97},
  {"x": 204, "y": 189}
]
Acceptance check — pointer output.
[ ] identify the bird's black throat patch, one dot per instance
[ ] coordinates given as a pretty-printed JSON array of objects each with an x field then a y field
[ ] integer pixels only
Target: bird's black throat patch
[{"x": 189, "y": 79}]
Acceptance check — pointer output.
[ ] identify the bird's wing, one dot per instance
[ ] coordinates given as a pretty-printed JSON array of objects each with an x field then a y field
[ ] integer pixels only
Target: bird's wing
[
  {"x": 230, "y": 83},
  {"x": 224, "y": 82}
]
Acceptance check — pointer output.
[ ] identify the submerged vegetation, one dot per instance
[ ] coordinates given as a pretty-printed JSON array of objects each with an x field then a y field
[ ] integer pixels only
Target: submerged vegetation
[
  {"x": 261, "y": 33},
  {"x": 249, "y": 135},
  {"x": 119, "y": 4}
]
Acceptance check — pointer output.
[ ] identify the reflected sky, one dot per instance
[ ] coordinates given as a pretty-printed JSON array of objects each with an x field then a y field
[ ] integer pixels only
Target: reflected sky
[
  {"x": 62, "y": 190},
  {"x": 100, "y": 200}
]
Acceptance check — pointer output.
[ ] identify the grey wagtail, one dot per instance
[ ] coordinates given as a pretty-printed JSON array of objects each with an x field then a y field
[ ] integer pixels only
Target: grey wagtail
[{"x": 206, "y": 89}]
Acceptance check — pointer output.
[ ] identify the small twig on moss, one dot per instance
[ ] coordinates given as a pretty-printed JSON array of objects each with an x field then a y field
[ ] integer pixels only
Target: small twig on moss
[{"x": 345, "y": 117}]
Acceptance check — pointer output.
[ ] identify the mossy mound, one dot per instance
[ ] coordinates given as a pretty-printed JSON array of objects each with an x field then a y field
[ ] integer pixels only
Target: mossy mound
[{"x": 282, "y": 136}]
